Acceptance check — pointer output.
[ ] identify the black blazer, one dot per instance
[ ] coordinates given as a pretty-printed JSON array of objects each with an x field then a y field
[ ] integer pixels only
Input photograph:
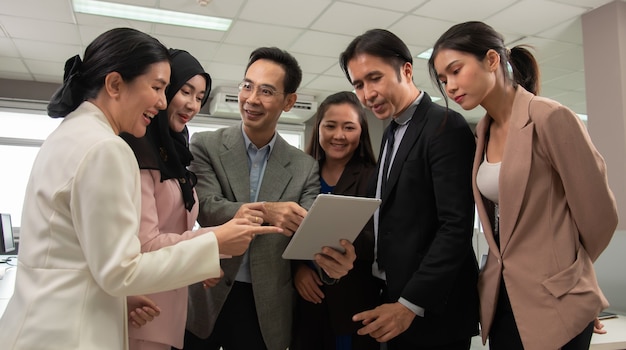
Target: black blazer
[
  {"x": 426, "y": 226},
  {"x": 356, "y": 292}
]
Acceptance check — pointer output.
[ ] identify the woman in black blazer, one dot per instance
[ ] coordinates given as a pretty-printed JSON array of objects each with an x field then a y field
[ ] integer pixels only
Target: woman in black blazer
[{"x": 323, "y": 320}]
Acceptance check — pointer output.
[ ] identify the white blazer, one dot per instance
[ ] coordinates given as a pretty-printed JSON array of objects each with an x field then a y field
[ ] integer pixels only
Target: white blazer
[{"x": 79, "y": 252}]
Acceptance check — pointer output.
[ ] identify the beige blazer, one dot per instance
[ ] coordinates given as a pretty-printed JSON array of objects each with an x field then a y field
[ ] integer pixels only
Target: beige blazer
[
  {"x": 557, "y": 214},
  {"x": 79, "y": 252}
]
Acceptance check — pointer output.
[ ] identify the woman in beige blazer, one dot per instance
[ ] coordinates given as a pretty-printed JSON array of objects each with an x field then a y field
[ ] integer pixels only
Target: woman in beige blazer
[
  {"x": 541, "y": 191},
  {"x": 79, "y": 253}
]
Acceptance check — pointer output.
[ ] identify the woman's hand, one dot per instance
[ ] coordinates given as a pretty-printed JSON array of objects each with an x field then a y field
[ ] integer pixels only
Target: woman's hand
[
  {"x": 307, "y": 284},
  {"x": 141, "y": 310}
]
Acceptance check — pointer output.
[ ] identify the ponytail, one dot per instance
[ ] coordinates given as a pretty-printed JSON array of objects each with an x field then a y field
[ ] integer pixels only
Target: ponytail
[{"x": 525, "y": 68}]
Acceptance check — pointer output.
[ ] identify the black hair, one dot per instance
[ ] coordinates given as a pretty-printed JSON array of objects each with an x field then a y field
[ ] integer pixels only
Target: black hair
[
  {"x": 380, "y": 43},
  {"x": 476, "y": 38},
  {"x": 126, "y": 51},
  {"x": 293, "y": 72},
  {"x": 364, "y": 151}
]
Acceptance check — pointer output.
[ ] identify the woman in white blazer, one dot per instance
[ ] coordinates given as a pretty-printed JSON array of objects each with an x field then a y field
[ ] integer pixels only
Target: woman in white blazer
[{"x": 79, "y": 251}]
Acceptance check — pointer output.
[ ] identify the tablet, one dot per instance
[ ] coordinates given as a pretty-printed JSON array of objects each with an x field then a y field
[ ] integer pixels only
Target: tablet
[{"x": 331, "y": 218}]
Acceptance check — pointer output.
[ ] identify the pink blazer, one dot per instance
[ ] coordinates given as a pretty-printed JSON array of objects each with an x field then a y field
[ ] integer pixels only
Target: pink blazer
[
  {"x": 164, "y": 222},
  {"x": 557, "y": 214}
]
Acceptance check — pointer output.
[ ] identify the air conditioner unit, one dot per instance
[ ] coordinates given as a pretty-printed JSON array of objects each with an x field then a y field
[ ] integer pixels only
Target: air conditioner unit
[{"x": 224, "y": 103}]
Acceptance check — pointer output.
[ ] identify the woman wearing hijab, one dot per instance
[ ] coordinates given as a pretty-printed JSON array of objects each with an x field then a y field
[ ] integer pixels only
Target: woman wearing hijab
[{"x": 169, "y": 202}]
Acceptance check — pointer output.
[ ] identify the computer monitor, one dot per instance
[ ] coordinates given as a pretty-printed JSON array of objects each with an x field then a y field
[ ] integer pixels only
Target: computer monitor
[{"x": 7, "y": 241}]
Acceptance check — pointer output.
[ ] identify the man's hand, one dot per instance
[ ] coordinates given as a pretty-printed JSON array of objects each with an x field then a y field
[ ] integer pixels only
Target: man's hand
[
  {"x": 335, "y": 263},
  {"x": 252, "y": 212},
  {"x": 141, "y": 310},
  {"x": 288, "y": 215},
  {"x": 307, "y": 283},
  {"x": 385, "y": 322}
]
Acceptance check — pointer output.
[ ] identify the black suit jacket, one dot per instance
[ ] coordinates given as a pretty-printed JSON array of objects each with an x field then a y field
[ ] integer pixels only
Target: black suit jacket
[{"x": 426, "y": 226}]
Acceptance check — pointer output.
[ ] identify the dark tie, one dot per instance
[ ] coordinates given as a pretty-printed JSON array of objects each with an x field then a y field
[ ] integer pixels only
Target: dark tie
[{"x": 390, "y": 136}]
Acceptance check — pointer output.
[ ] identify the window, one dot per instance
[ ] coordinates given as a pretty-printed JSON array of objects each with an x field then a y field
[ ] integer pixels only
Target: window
[{"x": 24, "y": 125}]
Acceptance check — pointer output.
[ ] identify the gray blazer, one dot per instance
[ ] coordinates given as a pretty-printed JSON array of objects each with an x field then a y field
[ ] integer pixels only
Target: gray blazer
[{"x": 221, "y": 165}]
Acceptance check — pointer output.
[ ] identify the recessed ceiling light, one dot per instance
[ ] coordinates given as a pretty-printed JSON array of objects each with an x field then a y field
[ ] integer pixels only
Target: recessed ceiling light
[
  {"x": 146, "y": 14},
  {"x": 426, "y": 54}
]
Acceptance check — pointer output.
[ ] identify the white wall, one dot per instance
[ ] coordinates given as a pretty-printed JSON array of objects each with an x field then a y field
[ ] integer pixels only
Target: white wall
[{"x": 611, "y": 272}]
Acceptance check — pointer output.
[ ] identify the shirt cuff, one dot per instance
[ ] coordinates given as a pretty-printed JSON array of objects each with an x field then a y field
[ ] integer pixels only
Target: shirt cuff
[
  {"x": 419, "y": 311},
  {"x": 325, "y": 278}
]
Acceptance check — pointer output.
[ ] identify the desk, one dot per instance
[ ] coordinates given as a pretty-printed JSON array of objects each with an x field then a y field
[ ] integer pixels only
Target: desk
[
  {"x": 7, "y": 282},
  {"x": 615, "y": 338}
]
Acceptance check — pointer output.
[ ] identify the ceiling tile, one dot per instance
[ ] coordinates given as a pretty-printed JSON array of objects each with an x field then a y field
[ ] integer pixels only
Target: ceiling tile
[
  {"x": 421, "y": 77},
  {"x": 224, "y": 71},
  {"x": 314, "y": 64},
  {"x": 200, "y": 49},
  {"x": 53, "y": 32},
  {"x": 88, "y": 33},
  {"x": 101, "y": 24},
  {"x": 589, "y": 4},
  {"x": 289, "y": 13},
  {"x": 54, "y": 52},
  {"x": 335, "y": 71},
  {"x": 549, "y": 73},
  {"x": 554, "y": 30},
  {"x": 322, "y": 44},
  {"x": 551, "y": 91},
  {"x": 569, "y": 82},
  {"x": 571, "y": 59},
  {"x": 49, "y": 10},
  {"x": 534, "y": 15},
  {"x": 544, "y": 49},
  {"x": 233, "y": 54},
  {"x": 48, "y": 78},
  {"x": 44, "y": 67},
  {"x": 569, "y": 31},
  {"x": 257, "y": 35},
  {"x": 334, "y": 20},
  {"x": 405, "y": 6},
  {"x": 189, "y": 33},
  {"x": 7, "y": 48},
  {"x": 324, "y": 82},
  {"x": 461, "y": 11},
  {"x": 420, "y": 31},
  {"x": 12, "y": 64}
]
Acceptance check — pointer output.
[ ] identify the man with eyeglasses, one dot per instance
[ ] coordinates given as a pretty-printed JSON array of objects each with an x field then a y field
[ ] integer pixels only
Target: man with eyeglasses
[{"x": 250, "y": 171}]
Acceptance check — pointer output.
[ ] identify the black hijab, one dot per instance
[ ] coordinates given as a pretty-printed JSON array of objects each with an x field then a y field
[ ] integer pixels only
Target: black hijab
[{"x": 162, "y": 148}]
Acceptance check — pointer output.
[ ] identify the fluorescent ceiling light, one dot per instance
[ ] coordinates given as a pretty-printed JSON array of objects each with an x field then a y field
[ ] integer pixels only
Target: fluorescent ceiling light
[
  {"x": 582, "y": 117},
  {"x": 103, "y": 8},
  {"x": 426, "y": 54}
]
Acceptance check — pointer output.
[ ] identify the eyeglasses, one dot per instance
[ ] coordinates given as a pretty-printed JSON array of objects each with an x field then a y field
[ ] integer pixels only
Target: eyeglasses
[{"x": 265, "y": 93}]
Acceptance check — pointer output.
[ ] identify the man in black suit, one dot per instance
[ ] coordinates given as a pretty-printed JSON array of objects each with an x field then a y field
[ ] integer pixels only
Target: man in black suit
[{"x": 424, "y": 226}]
